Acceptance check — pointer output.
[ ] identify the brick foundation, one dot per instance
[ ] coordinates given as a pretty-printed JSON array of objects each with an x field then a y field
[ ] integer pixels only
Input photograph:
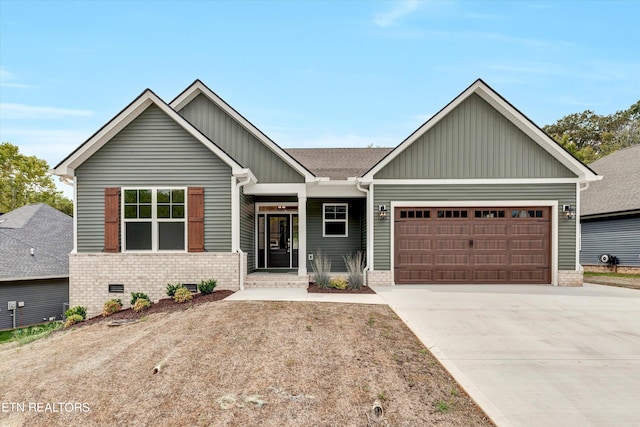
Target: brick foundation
[
  {"x": 569, "y": 278},
  {"x": 91, "y": 274},
  {"x": 379, "y": 278}
]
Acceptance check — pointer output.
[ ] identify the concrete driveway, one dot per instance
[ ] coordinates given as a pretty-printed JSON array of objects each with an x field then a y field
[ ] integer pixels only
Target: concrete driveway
[{"x": 534, "y": 355}]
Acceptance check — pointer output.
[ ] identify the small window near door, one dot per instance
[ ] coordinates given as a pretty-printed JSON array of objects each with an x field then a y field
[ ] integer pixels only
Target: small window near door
[{"x": 335, "y": 220}]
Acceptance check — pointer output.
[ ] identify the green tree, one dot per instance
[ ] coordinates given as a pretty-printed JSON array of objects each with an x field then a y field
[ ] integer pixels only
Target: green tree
[
  {"x": 24, "y": 180},
  {"x": 590, "y": 136}
]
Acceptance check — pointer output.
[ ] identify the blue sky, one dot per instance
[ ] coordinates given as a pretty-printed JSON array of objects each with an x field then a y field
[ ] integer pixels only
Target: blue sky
[{"x": 308, "y": 73}]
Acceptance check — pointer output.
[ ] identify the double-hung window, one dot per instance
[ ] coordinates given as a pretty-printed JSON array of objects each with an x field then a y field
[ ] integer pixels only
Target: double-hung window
[
  {"x": 335, "y": 220},
  {"x": 153, "y": 219}
]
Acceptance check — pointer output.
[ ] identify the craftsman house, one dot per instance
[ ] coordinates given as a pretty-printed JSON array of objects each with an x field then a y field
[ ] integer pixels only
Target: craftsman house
[{"x": 191, "y": 190}]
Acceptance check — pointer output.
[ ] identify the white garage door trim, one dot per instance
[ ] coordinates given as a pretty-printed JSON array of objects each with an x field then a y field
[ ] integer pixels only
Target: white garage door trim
[{"x": 481, "y": 204}]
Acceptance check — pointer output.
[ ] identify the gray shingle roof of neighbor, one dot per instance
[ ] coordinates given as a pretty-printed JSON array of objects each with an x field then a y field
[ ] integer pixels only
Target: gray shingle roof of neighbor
[
  {"x": 48, "y": 231},
  {"x": 338, "y": 163},
  {"x": 619, "y": 189}
]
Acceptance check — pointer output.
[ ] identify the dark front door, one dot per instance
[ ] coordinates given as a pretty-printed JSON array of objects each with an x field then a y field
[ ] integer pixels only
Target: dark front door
[{"x": 279, "y": 241}]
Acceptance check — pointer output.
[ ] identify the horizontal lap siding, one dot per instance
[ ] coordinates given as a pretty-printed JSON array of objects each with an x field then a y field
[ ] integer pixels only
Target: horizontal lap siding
[
  {"x": 334, "y": 247},
  {"x": 153, "y": 151},
  {"x": 474, "y": 141},
  {"x": 42, "y": 298},
  {"x": 563, "y": 193},
  {"x": 239, "y": 143},
  {"x": 617, "y": 237}
]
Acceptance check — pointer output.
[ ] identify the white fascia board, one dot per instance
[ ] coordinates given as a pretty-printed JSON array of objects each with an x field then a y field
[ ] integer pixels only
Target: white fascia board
[
  {"x": 476, "y": 181},
  {"x": 328, "y": 191},
  {"x": 123, "y": 119},
  {"x": 246, "y": 173},
  {"x": 507, "y": 110},
  {"x": 276, "y": 189},
  {"x": 198, "y": 88}
]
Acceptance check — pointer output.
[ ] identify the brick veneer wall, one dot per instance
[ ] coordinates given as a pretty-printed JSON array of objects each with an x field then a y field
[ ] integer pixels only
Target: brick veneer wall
[
  {"x": 569, "y": 278},
  {"x": 379, "y": 278},
  {"x": 90, "y": 274}
]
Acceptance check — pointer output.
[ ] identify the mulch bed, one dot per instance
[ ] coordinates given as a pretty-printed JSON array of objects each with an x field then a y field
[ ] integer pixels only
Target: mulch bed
[
  {"x": 163, "y": 306},
  {"x": 315, "y": 289}
]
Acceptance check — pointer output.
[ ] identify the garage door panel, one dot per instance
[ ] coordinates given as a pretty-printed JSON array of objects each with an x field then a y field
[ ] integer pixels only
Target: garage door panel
[
  {"x": 453, "y": 229},
  {"x": 452, "y": 259},
  {"x": 472, "y": 245},
  {"x": 490, "y": 259},
  {"x": 528, "y": 259},
  {"x": 489, "y": 229},
  {"x": 490, "y": 276},
  {"x": 417, "y": 259},
  {"x": 415, "y": 244},
  {"x": 451, "y": 244},
  {"x": 490, "y": 244},
  {"x": 452, "y": 276}
]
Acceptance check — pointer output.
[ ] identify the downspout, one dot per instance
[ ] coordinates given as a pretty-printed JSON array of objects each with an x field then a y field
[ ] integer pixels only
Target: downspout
[
  {"x": 240, "y": 252},
  {"x": 369, "y": 228},
  {"x": 579, "y": 225}
]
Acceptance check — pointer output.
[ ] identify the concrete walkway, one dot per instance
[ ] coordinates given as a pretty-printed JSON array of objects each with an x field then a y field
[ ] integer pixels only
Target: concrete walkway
[
  {"x": 300, "y": 294},
  {"x": 534, "y": 355}
]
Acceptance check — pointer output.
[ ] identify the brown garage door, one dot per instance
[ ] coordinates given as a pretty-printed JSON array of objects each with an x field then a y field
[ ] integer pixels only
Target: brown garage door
[{"x": 472, "y": 245}]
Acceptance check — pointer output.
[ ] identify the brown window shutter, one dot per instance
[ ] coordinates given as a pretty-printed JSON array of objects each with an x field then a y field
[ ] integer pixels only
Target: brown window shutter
[
  {"x": 112, "y": 220},
  {"x": 196, "y": 219}
]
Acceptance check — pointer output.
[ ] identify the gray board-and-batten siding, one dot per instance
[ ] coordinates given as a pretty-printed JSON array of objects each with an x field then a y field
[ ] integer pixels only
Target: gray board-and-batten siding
[
  {"x": 563, "y": 193},
  {"x": 153, "y": 151},
  {"x": 474, "y": 141},
  {"x": 619, "y": 237},
  {"x": 238, "y": 142}
]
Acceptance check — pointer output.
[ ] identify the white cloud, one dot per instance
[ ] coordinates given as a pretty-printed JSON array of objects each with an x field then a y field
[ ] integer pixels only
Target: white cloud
[
  {"x": 6, "y": 78},
  {"x": 21, "y": 111},
  {"x": 400, "y": 10}
]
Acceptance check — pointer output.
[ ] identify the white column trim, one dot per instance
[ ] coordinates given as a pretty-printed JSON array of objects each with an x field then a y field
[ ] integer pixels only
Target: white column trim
[{"x": 302, "y": 235}]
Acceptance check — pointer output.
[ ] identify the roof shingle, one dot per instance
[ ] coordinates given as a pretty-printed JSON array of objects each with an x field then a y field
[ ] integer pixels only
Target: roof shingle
[{"x": 338, "y": 163}]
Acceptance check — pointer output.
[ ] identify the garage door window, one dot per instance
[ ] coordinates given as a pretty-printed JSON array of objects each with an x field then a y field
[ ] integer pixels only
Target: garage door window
[
  {"x": 453, "y": 213},
  {"x": 527, "y": 213}
]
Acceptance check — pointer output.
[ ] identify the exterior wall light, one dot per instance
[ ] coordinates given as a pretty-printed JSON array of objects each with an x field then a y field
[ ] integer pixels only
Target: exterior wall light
[
  {"x": 382, "y": 211},
  {"x": 569, "y": 211}
]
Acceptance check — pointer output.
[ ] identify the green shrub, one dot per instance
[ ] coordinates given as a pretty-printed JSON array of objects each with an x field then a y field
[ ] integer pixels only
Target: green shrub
[
  {"x": 321, "y": 266},
  {"x": 111, "y": 306},
  {"x": 355, "y": 268},
  {"x": 141, "y": 304},
  {"x": 78, "y": 309},
  {"x": 182, "y": 295},
  {"x": 72, "y": 320},
  {"x": 338, "y": 283},
  {"x": 172, "y": 288},
  {"x": 138, "y": 295},
  {"x": 207, "y": 286}
]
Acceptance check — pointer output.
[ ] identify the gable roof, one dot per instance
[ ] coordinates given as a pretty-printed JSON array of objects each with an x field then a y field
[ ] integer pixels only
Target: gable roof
[
  {"x": 619, "y": 190},
  {"x": 198, "y": 88},
  {"x": 338, "y": 163},
  {"x": 67, "y": 166},
  {"x": 48, "y": 231},
  {"x": 511, "y": 113}
]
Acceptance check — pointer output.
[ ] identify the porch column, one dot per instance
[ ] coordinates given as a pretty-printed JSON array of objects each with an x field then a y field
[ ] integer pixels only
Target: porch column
[{"x": 302, "y": 236}]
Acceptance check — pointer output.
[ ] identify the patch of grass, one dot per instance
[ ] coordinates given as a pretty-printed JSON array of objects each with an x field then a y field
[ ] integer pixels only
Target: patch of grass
[
  {"x": 611, "y": 274},
  {"x": 26, "y": 335},
  {"x": 382, "y": 396},
  {"x": 443, "y": 407}
]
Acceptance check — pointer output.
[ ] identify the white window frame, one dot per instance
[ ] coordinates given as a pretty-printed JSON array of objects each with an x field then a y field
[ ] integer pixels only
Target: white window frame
[
  {"x": 154, "y": 220},
  {"x": 345, "y": 220}
]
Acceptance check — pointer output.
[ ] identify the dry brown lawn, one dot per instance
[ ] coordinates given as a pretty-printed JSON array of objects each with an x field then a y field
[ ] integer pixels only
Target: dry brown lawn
[{"x": 231, "y": 363}]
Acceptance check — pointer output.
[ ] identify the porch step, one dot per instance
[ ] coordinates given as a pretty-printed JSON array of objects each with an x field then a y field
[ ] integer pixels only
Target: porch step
[{"x": 275, "y": 280}]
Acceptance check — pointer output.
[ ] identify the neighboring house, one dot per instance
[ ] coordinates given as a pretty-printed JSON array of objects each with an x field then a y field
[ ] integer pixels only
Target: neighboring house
[
  {"x": 190, "y": 190},
  {"x": 610, "y": 212},
  {"x": 35, "y": 241}
]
